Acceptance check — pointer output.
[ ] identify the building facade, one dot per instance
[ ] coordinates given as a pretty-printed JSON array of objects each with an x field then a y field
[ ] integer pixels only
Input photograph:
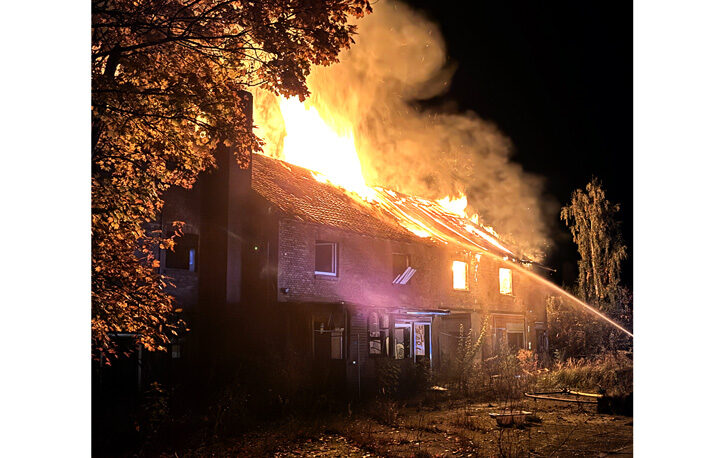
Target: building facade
[{"x": 287, "y": 260}]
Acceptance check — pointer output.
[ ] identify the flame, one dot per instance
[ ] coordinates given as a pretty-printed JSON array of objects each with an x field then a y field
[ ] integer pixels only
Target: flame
[
  {"x": 327, "y": 147},
  {"x": 455, "y": 206},
  {"x": 312, "y": 143}
]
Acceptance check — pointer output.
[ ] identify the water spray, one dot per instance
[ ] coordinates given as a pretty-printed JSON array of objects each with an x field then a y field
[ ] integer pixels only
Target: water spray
[{"x": 556, "y": 288}]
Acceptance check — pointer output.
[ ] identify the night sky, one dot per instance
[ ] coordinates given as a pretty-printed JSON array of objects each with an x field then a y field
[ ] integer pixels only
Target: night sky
[{"x": 557, "y": 80}]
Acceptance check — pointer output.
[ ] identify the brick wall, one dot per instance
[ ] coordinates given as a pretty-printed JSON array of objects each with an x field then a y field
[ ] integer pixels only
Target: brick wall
[{"x": 365, "y": 274}]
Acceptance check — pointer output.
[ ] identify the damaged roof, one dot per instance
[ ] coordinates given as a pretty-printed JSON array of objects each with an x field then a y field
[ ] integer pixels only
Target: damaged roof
[{"x": 296, "y": 192}]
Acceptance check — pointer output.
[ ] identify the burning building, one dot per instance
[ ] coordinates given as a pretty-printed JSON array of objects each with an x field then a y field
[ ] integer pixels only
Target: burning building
[{"x": 276, "y": 256}]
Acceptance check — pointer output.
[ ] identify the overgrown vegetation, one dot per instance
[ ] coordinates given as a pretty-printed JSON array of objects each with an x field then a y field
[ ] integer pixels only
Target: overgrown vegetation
[
  {"x": 465, "y": 372},
  {"x": 574, "y": 333},
  {"x": 609, "y": 372}
]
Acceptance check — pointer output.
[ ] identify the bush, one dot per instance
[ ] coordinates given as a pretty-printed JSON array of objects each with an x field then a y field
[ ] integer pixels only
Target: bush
[
  {"x": 153, "y": 410},
  {"x": 465, "y": 370},
  {"x": 575, "y": 333},
  {"x": 387, "y": 371}
]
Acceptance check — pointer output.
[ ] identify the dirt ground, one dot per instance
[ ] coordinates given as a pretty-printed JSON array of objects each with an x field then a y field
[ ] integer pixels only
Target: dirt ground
[{"x": 457, "y": 428}]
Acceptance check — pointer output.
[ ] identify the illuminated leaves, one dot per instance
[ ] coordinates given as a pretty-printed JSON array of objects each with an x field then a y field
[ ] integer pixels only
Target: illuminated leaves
[
  {"x": 596, "y": 232},
  {"x": 167, "y": 87}
]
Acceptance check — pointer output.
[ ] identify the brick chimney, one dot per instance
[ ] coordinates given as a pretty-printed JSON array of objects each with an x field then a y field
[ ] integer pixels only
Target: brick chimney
[{"x": 225, "y": 194}]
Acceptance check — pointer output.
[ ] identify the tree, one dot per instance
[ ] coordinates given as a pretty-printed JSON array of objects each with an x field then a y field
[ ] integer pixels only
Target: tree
[
  {"x": 168, "y": 81},
  {"x": 596, "y": 232}
]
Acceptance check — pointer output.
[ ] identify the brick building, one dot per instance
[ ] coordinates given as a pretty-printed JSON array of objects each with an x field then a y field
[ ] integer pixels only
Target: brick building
[{"x": 272, "y": 254}]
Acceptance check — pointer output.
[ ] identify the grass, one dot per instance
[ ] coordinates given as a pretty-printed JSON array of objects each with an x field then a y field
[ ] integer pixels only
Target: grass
[{"x": 611, "y": 372}]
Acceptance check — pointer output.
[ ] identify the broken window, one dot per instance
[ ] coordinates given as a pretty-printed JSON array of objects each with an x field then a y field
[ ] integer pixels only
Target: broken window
[
  {"x": 184, "y": 254},
  {"x": 326, "y": 258},
  {"x": 459, "y": 270},
  {"x": 505, "y": 281}
]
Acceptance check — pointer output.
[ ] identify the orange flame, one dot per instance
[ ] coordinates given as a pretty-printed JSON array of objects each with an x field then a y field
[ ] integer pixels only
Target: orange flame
[
  {"x": 312, "y": 143},
  {"x": 327, "y": 147}
]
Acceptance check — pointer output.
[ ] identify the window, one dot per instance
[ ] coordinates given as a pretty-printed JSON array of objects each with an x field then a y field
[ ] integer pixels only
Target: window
[
  {"x": 459, "y": 270},
  {"x": 515, "y": 335},
  {"x": 500, "y": 338},
  {"x": 515, "y": 340},
  {"x": 326, "y": 258},
  {"x": 541, "y": 339},
  {"x": 400, "y": 263},
  {"x": 402, "y": 272},
  {"x": 328, "y": 343},
  {"x": 505, "y": 281},
  {"x": 422, "y": 339},
  {"x": 402, "y": 341},
  {"x": 184, "y": 255}
]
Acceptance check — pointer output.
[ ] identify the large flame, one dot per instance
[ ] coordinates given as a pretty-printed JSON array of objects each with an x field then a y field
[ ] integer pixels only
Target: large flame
[
  {"x": 327, "y": 147},
  {"x": 312, "y": 143}
]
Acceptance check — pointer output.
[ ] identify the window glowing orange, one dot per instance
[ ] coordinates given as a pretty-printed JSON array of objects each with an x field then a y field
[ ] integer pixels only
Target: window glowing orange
[
  {"x": 459, "y": 270},
  {"x": 505, "y": 281}
]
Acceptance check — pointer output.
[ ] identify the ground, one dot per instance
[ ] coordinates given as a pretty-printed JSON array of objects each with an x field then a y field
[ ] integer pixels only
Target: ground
[{"x": 453, "y": 428}]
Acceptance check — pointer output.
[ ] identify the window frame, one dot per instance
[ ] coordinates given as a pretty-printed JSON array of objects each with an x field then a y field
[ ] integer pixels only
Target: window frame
[{"x": 334, "y": 259}]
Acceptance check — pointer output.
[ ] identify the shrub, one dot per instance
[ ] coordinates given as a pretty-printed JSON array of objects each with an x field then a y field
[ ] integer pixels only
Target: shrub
[
  {"x": 465, "y": 370},
  {"x": 387, "y": 371}
]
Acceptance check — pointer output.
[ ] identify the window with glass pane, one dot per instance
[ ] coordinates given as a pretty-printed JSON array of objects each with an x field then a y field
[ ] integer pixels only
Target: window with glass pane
[{"x": 325, "y": 258}]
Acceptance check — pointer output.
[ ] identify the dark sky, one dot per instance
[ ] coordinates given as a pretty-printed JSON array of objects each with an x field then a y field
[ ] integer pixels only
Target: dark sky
[{"x": 557, "y": 79}]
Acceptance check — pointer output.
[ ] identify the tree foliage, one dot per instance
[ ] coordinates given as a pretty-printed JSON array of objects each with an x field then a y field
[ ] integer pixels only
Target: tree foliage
[
  {"x": 596, "y": 232},
  {"x": 167, "y": 88}
]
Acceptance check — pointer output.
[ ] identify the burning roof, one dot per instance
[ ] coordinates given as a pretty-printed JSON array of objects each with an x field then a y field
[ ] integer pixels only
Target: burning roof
[{"x": 301, "y": 193}]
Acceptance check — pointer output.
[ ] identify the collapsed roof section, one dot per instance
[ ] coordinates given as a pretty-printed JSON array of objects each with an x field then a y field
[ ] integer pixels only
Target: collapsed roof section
[{"x": 388, "y": 214}]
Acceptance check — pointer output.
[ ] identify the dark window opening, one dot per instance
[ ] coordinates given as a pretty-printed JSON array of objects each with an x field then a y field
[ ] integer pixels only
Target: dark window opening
[
  {"x": 326, "y": 258},
  {"x": 184, "y": 255},
  {"x": 400, "y": 263},
  {"x": 515, "y": 340},
  {"x": 541, "y": 338},
  {"x": 328, "y": 343}
]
